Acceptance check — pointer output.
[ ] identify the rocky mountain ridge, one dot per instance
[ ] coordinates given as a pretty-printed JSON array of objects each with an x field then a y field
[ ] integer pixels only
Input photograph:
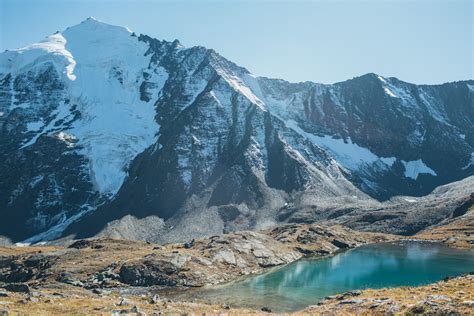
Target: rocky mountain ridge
[{"x": 101, "y": 128}]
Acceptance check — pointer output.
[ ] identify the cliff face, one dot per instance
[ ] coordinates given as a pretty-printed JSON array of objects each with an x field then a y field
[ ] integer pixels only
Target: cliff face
[{"x": 98, "y": 124}]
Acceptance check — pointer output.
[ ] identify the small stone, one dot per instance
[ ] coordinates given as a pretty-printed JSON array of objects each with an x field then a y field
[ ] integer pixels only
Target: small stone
[
  {"x": 155, "y": 299},
  {"x": 418, "y": 309},
  {"x": 395, "y": 308},
  {"x": 124, "y": 302},
  {"x": 374, "y": 305},
  {"x": 96, "y": 291},
  {"x": 225, "y": 306},
  {"x": 33, "y": 299},
  {"x": 356, "y": 301},
  {"x": 59, "y": 294},
  {"x": 468, "y": 303},
  {"x": 189, "y": 244},
  {"x": 439, "y": 297}
]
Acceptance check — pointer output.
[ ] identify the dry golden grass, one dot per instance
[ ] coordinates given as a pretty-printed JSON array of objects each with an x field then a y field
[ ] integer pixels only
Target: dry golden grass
[
  {"x": 458, "y": 232},
  {"x": 83, "y": 303},
  {"x": 454, "y": 295}
]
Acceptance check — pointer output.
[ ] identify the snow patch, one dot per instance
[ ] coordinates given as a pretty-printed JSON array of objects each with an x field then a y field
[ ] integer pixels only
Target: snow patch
[
  {"x": 53, "y": 48},
  {"x": 61, "y": 113},
  {"x": 242, "y": 87},
  {"x": 416, "y": 167},
  {"x": 396, "y": 92},
  {"x": 347, "y": 153},
  {"x": 433, "y": 107},
  {"x": 104, "y": 67},
  {"x": 34, "y": 126},
  {"x": 56, "y": 230},
  {"x": 107, "y": 92},
  {"x": 388, "y": 161},
  {"x": 66, "y": 138},
  {"x": 470, "y": 163}
]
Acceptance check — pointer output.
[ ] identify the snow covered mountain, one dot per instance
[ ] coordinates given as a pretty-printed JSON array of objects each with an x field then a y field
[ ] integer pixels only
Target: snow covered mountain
[{"x": 101, "y": 128}]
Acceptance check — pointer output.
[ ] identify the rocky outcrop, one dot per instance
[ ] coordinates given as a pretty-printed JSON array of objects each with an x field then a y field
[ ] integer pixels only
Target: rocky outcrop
[
  {"x": 105, "y": 263},
  {"x": 149, "y": 272},
  {"x": 14, "y": 269},
  {"x": 455, "y": 232}
]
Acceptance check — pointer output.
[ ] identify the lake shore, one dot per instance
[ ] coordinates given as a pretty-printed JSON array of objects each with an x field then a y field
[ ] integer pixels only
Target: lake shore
[{"x": 84, "y": 277}]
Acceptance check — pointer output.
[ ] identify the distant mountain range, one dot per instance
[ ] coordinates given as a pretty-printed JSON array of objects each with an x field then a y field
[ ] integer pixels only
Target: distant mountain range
[{"x": 104, "y": 131}]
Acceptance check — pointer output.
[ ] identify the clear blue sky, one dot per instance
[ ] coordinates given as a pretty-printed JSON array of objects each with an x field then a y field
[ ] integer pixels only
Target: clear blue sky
[{"x": 424, "y": 41}]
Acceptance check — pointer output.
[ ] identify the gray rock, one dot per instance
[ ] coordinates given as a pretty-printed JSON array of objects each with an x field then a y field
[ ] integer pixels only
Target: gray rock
[
  {"x": 17, "y": 287},
  {"x": 226, "y": 256},
  {"x": 149, "y": 272},
  {"x": 155, "y": 299},
  {"x": 124, "y": 302}
]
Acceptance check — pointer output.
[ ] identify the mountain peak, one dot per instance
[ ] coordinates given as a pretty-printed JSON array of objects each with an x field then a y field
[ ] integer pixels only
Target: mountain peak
[
  {"x": 92, "y": 24},
  {"x": 92, "y": 19}
]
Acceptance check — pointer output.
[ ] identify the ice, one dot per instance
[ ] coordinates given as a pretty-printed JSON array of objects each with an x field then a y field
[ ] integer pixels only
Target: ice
[
  {"x": 51, "y": 49},
  {"x": 66, "y": 138},
  {"x": 431, "y": 104},
  {"x": 389, "y": 161},
  {"x": 470, "y": 163},
  {"x": 242, "y": 87},
  {"x": 416, "y": 167},
  {"x": 34, "y": 126},
  {"x": 56, "y": 230},
  {"x": 347, "y": 153},
  {"x": 103, "y": 67},
  {"x": 109, "y": 69},
  {"x": 396, "y": 92}
]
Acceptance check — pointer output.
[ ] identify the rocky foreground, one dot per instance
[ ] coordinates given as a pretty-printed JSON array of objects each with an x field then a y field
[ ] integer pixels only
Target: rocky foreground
[
  {"x": 111, "y": 277},
  {"x": 448, "y": 297},
  {"x": 89, "y": 271}
]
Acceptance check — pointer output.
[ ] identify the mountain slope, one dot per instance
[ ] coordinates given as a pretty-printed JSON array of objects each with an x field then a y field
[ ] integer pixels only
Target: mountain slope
[{"x": 98, "y": 123}]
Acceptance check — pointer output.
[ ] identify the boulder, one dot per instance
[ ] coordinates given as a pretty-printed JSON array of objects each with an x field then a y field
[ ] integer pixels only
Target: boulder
[{"x": 17, "y": 287}]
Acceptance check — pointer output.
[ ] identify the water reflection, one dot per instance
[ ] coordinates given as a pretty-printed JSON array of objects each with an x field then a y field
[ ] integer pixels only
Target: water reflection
[{"x": 306, "y": 282}]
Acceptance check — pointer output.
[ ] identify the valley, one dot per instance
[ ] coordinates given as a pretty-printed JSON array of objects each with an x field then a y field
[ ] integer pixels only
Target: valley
[
  {"x": 143, "y": 177},
  {"x": 107, "y": 276}
]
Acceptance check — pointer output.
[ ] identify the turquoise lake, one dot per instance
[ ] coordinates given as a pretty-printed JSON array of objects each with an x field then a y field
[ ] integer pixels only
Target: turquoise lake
[{"x": 307, "y": 281}]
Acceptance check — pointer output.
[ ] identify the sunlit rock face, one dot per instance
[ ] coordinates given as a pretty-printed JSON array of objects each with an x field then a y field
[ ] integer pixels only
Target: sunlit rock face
[{"x": 98, "y": 123}]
